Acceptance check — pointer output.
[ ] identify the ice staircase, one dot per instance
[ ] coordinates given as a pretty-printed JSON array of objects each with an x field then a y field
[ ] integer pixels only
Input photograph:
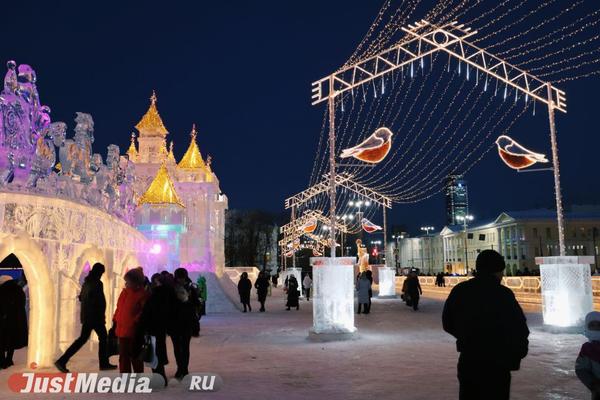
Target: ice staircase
[{"x": 222, "y": 293}]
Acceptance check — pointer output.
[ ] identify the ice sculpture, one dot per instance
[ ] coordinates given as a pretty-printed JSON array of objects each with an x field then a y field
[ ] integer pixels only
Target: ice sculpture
[
  {"x": 22, "y": 122},
  {"x": 333, "y": 297},
  {"x": 387, "y": 282},
  {"x": 566, "y": 290}
]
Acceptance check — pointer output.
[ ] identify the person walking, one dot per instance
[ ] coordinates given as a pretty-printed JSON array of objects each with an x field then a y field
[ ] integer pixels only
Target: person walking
[
  {"x": 490, "y": 330},
  {"x": 157, "y": 319},
  {"x": 362, "y": 288},
  {"x": 413, "y": 289},
  {"x": 127, "y": 319},
  {"x": 13, "y": 320},
  {"x": 293, "y": 293},
  {"x": 185, "y": 320},
  {"x": 92, "y": 315},
  {"x": 307, "y": 285},
  {"x": 244, "y": 289},
  {"x": 262, "y": 288}
]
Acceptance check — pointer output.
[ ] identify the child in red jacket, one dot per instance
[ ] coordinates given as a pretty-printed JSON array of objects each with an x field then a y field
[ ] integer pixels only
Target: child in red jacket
[{"x": 127, "y": 318}]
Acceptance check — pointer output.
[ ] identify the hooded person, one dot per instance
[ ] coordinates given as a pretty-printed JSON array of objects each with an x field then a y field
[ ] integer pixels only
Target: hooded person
[
  {"x": 244, "y": 289},
  {"x": 13, "y": 320},
  {"x": 186, "y": 320},
  {"x": 587, "y": 365},
  {"x": 128, "y": 320},
  {"x": 490, "y": 330},
  {"x": 293, "y": 293},
  {"x": 92, "y": 315}
]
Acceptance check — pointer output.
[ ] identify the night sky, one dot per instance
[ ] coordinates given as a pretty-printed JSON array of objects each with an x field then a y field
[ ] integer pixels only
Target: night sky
[{"x": 242, "y": 72}]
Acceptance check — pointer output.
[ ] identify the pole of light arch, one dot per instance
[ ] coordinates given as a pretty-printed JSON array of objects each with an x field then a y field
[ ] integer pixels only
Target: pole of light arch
[
  {"x": 556, "y": 172},
  {"x": 331, "y": 103}
]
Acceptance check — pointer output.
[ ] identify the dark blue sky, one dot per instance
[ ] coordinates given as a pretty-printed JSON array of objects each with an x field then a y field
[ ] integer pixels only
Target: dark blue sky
[{"x": 242, "y": 72}]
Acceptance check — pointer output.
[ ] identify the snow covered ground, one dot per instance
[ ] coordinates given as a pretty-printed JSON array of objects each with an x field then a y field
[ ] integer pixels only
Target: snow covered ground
[{"x": 397, "y": 354}]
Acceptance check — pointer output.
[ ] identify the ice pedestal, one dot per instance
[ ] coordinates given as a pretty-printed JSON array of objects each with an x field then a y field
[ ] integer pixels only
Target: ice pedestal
[
  {"x": 387, "y": 282},
  {"x": 566, "y": 290},
  {"x": 333, "y": 298}
]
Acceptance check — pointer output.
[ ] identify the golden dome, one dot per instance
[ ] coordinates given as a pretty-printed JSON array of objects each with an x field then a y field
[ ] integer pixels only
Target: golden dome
[
  {"x": 161, "y": 190},
  {"x": 151, "y": 124},
  {"x": 192, "y": 159},
  {"x": 132, "y": 151}
]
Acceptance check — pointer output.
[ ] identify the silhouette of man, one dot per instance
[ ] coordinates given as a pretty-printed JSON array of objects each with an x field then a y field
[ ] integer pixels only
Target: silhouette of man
[
  {"x": 490, "y": 330},
  {"x": 93, "y": 308}
]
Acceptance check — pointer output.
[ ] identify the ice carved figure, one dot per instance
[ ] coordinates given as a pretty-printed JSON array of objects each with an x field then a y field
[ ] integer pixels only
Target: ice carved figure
[
  {"x": 45, "y": 155},
  {"x": 22, "y": 121},
  {"x": 76, "y": 154}
]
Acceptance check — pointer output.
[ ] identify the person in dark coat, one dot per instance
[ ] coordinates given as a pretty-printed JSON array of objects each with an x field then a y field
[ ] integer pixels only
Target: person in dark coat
[
  {"x": 157, "y": 318},
  {"x": 363, "y": 286},
  {"x": 490, "y": 330},
  {"x": 369, "y": 274},
  {"x": 185, "y": 320},
  {"x": 244, "y": 289},
  {"x": 13, "y": 320},
  {"x": 262, "y": 288},
  {"x": 93, "y": 309},
  {"x": 413, "y": 290},
  {"x": 293, "y": 293}
]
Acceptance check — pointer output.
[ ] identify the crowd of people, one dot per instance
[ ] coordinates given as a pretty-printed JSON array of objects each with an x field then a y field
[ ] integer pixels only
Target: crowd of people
[
  {"x": 291, "y": 288},
  {"x": 483, "y": 315},
  {"x": 165, "y": 305}
]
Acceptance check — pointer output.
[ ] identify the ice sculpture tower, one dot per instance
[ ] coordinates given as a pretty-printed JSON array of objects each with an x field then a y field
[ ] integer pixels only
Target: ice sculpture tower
[{"x": 201, "y": 240}]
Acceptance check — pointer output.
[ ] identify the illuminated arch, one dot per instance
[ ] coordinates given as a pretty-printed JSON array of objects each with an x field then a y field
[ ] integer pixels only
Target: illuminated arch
[{"x": 41, "y": 348}]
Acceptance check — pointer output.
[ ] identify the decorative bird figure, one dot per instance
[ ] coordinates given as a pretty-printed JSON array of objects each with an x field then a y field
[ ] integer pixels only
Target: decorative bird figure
[
  {"x": 309, "y": 226},
  {"x": 516, "y": 156},
  {"x": 369, "y": 227},
  {"x": 373, "y": 149}
]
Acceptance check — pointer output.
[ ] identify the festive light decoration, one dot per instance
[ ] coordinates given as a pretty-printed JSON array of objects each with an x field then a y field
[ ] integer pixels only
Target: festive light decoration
[
  {"x": 161, "y": 190},
  {"x": 369, "y": 227},
  {"x": 373, "y": 149},
  {"x": 309, "y": 226},
  {"x": 515, "y": 155}
]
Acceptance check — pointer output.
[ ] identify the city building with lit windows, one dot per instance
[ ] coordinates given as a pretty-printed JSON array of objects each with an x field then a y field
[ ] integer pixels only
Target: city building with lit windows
[
  {"x": 519, "y": 236},
  {"x": 457, "y": 199}
]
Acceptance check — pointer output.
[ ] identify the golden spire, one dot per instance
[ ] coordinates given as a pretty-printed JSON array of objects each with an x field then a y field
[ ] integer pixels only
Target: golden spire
[
  {"x": 161, "y": 190},
  {"x": 208, "y": 169},
  {"x": 171, "y": 156},
  {"x": 132, "y": 151},
  {"x": 192, "y": 159},
  {"x": 151, "y": 124}
]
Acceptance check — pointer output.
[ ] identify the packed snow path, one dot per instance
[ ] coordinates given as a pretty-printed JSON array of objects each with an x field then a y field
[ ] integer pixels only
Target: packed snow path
[{"x": 397, "y": 354}]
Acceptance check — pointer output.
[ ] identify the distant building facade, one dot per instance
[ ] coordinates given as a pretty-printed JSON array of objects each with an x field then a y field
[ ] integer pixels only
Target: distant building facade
[
  {"x": 519, "y": 236},
  {"x": 457, "y": 199}
]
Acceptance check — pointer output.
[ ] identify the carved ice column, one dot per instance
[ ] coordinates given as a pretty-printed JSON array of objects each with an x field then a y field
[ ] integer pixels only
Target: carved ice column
[
  {"x": 566, "y": 290},
  {"x": 333, "y": 298}
]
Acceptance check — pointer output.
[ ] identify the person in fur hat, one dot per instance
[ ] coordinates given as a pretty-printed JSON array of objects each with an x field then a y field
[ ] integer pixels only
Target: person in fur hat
[{"x": 587, "y": 365}]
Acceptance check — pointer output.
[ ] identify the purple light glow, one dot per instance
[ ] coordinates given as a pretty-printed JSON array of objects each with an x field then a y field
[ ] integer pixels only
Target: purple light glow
[{"x": 156, "y": 248}]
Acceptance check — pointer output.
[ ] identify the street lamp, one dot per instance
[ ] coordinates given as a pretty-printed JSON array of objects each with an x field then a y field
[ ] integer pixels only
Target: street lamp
[
  {"x": 465, "y": 219},
  {"x": 426, "y": 229}
]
